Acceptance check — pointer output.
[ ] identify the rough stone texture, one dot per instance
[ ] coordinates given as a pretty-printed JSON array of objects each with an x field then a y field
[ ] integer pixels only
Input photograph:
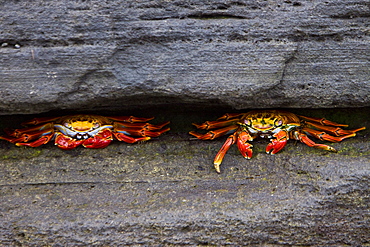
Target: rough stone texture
[
  {"x": 84, "y": 55},
  {"x": 166, "y": 192},
  {"x": 163, "y": 57}
]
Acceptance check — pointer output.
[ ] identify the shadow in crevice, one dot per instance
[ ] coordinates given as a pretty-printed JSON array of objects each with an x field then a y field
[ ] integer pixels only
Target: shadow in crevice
[{"x": 183, "y": 115}]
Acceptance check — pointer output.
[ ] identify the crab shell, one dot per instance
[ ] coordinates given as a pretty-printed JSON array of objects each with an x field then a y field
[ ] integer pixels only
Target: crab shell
[{"x": 91, "y": 131}]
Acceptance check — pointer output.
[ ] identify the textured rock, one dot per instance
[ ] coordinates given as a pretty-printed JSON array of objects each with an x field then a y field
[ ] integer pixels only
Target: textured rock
[
  {"x": 89, "y": 55},
  {"x": 166, "y": 192}
]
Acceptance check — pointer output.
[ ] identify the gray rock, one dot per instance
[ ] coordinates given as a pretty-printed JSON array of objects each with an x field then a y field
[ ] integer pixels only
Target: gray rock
[
  {"x": 120, "y": 55},
  {"x": 166, "y": 192}
]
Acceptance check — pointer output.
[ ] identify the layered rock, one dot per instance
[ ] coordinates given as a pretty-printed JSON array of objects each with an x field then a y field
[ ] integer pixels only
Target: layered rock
[{"x": 119, "y": 55}]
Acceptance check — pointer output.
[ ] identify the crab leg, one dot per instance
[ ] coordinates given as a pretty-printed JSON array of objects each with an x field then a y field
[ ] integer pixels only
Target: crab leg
[
  {"x": 302, "y": 137},
  {"x": 37, "y": 121},
  {"x": 35, "y": 129},
  {"x": 325, "y": 136},
  {"x": 210, "y": 135},
  {"x": 142, "y": 131},
  {"x": 334, "y": 130},
  {"x": 42, "y": 140},
  {"x": 129, "y": 119},
  {"x": 122, "y": 137},
  {"x": 322, "y": 121},
  {"x": 145, "y": 126},
  {"x": 228, "y": 116},
  {"x": 26, "y": 137},
  {"x": 215, "y": 124},
  {"x": 221, "y": 153}
]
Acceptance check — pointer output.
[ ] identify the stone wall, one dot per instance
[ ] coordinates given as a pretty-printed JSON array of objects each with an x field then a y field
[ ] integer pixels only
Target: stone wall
[{"x": 119, "y": 55}]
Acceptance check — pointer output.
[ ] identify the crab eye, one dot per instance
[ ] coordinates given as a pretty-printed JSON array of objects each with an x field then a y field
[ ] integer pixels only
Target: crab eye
[
  {"x": 96, "y": 125},
  {"x": 66, "y": 125},
  {"x": 278, "y": 123},
  {"x": 247, "y": 122}
]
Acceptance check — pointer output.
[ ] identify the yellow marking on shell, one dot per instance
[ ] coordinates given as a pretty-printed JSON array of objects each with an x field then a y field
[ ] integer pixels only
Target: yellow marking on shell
[
  {"x": 82, "y": 125},
  {"x": 263, "y": 123}
]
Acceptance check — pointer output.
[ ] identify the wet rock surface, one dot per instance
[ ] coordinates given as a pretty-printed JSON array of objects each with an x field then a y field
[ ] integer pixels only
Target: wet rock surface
[
  {"x": 166, "y": 192},
  {"x": 83, "y": 55}
]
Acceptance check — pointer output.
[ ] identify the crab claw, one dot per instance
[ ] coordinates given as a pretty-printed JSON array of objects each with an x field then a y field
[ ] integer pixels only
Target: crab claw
[
  {"x": 243, "y": 145},
  {"x": 277, "y": 144},
  {"x": 66, "y": 142},
  {"x": 101, "y": 140}
]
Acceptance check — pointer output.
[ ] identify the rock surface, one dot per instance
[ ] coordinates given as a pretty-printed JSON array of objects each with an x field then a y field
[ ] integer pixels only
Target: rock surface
[
  {"x": 119, "y": 55},
  {"x": 165, "y": 192},
  {"x": 166, "y": 58}
]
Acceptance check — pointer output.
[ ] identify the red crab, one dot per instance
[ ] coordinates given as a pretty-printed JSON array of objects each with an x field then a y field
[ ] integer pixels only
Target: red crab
[
  {"x": 278, "y": 126},
  {"x": 90, "y": 131}
]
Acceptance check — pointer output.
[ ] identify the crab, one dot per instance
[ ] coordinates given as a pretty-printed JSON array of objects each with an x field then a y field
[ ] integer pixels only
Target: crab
[
  {"x": 90, "y": 131},
  {"x": 278, "y": 126}
]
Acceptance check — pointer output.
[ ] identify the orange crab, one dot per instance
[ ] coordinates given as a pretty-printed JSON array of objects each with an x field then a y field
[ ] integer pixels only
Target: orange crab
[
  {"x": 90, "y": 131},
  {"x": 278, "y": 126}
]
